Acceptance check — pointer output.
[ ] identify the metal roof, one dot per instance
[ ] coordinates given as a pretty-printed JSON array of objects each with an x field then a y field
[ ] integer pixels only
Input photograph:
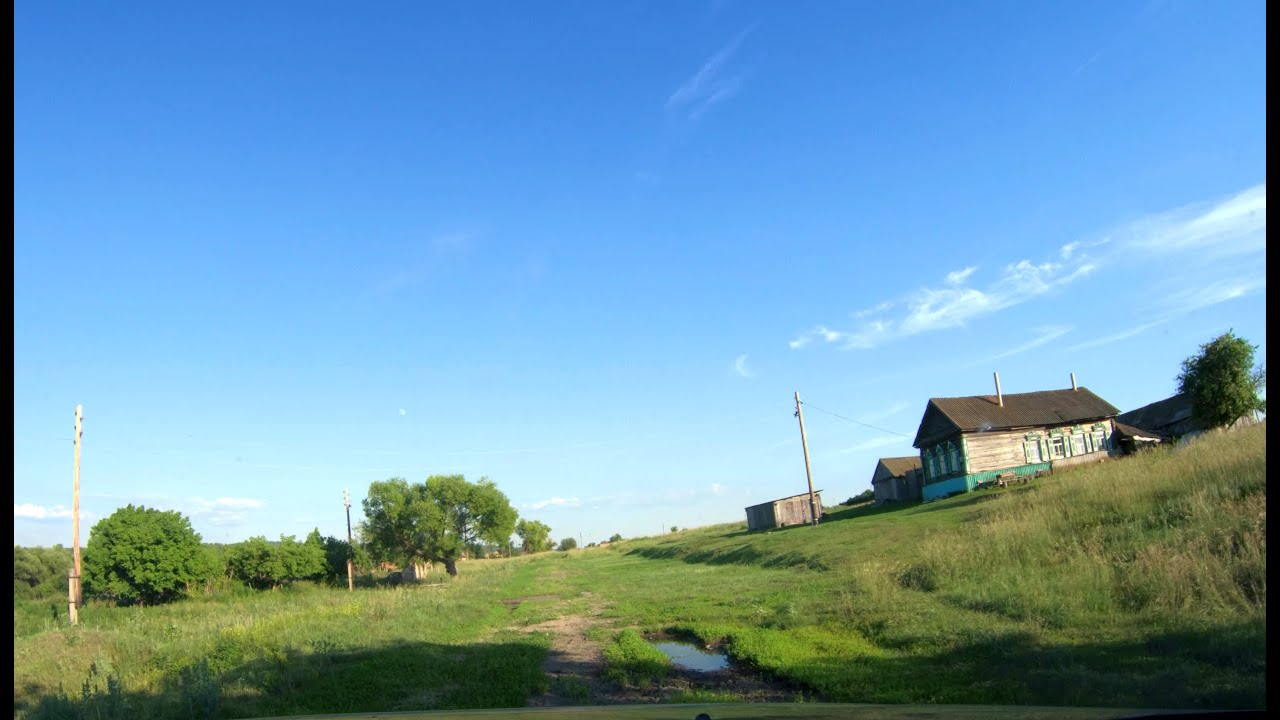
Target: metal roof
[
  {"x": 980, "y": 413},
  {"x": 899, "y": 466}
]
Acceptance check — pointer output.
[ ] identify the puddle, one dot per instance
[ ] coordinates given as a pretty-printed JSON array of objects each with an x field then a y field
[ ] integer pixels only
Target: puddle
[{"x": 691, "y": 656}]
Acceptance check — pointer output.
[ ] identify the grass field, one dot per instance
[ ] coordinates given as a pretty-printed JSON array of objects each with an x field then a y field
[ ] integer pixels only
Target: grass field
[{"x": 1134, "y": 583}]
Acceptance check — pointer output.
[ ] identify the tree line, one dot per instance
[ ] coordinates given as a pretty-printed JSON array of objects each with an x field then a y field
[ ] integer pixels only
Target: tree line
[{"x": 141, "y": 555}]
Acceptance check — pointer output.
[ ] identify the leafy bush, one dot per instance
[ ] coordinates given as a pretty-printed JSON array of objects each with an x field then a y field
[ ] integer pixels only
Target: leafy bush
[
  {"x": 567, "y": 544},
  {"x": 262, "y": 564},
  {"x": 40, "y": 572},
  {"x": 144, "y": 555},
  {"x": 862, "y": 497}
]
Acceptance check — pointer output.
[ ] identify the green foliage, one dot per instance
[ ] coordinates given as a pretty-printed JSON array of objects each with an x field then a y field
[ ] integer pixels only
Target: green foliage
[
  {"x": 435, "y": 521},
  {"x": 567, "y": 544},
  {"x": 1222, "y": 381},
  {"x": 616, "y": 537},
  {"x": 862, "y": 497},
  {"x": 41, "y": 572},
  {"x": 262, "y": 564},
  {"x": 534, "y": 536},
  {"x": 675, "y": 528},
  {"x": 631, "y": 660},
  {"x": 143, "y": 555}
]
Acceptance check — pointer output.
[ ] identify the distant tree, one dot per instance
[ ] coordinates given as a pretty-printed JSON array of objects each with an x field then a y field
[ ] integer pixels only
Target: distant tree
[
  {"x": 616, "y": 537},
  {"x": 567, "y": 544},
  {"x": 1222, "y": 381},
  {"x": 262, "y": 564},
  {"x": 143, "y": 555},
  {"x": 862, "y": 497},
  {"x": 434, "y": 521},
  {"x": 336, "y": 553},
  {"x": 675, "y": 529},
  {"x": 534, "y": 536},
  {"x": 40, "y": 571}
]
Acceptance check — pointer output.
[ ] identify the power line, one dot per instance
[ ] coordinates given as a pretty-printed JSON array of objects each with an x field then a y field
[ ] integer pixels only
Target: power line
[{"x": 855, "y": 422}]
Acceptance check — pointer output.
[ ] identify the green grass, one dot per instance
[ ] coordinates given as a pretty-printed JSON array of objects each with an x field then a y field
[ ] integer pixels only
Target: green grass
[
  {"x": 1133, "y": 583},
  {"x": 632, "y": 661}
]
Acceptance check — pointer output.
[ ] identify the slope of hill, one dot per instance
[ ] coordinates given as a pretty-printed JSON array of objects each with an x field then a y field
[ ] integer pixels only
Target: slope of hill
[{"x": 1139, "y": 582}]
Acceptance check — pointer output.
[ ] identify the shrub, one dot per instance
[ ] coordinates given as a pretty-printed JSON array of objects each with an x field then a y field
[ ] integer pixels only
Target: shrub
[{"x": 143, "y": 555}]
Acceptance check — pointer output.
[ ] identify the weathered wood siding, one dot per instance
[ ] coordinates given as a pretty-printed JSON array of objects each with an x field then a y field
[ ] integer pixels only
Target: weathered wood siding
[
  {"x": 993, "y": 450},
  {"x": 760, "y": 517},
  {"x": 795, "y": 511}
]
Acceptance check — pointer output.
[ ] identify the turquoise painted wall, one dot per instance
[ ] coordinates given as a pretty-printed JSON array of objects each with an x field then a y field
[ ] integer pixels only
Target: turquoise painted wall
[{"x": 966, "y": 483}]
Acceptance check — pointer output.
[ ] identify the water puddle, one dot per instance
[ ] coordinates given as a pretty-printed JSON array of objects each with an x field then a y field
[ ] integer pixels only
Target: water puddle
[{"x": 692, "y": 656}]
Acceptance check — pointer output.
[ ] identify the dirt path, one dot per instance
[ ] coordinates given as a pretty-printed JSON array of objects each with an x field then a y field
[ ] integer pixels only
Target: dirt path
[{"x": 575, "y": 667}]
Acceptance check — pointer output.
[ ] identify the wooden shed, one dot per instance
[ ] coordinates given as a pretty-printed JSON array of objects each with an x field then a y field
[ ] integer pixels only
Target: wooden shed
[{"x": 782, "y": 512}]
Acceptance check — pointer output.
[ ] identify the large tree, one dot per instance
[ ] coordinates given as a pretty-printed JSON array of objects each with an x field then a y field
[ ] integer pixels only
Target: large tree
[
  {"x": 143, "y": 555},
  {"x": 534, "y": 536},
  {"x": 1222, "y": 381},
  {"x": 435, "y": 521}
]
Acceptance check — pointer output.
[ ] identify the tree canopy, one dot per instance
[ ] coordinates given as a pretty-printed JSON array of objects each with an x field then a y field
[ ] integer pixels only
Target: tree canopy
[
  {"x": 1222, "y": 381},
  {"x": 435, "y": 521},
  {"x": 568, "y": 544},
  {"x": 616, "y": 537},
  {"x": 143, "y": 555},
  {"x": 262, "y": 564},
  {"x": 534, "y": 536}
]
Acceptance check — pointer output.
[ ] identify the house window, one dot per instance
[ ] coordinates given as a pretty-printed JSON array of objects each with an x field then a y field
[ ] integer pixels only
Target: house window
[
  {"x": 1099, "y": 441},
  {"x": 1057, "y": 449},
  {"x": 1077, "y": 444},
  {"x": 1032, "y": 450},
  {"x": 955, "y": 457}
]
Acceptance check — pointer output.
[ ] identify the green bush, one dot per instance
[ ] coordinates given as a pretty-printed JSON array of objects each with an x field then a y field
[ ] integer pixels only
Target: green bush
[
  {"x": 630, "y": 660},
  {"x": 144, "y": 555}
]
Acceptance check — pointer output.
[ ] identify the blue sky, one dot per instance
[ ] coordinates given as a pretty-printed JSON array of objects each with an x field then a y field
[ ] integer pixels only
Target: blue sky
[{"x": 589, "y": 250}]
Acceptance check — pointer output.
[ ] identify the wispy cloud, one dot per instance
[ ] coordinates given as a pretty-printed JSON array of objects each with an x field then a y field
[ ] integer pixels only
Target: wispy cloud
[
  {"x": 740, "y": 367},
  {"x": 1234, "y": 227},
  {"x": 710, "y": 85},
  {"x": 959, "y": 277},
  {"x": 554, "y": 502},
  {"x": 223, "y": 511},
  {"x": 31, "y": 511},
  {"x": 1044, "y": 336},
  {"x": 883, "y": 414},
  {"x": 954, "y": 304},
  {"x": 1182, "y": 303},
  {"x": 872, "y": 444}
]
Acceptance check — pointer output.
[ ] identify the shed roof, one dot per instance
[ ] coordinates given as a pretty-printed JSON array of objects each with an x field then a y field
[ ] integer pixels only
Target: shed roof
[
  {"x": 1160, "y": 414},
  {"x": 975, "y": 413},
  {"x": 789, "y": 497},
  {"x": 1138, "y": 433},
  {"x": 899, "y": 466}
]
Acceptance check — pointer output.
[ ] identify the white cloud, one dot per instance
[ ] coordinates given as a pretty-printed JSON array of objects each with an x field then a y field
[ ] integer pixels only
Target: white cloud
[
  {"x": 888, "y": 412},
  {"x": 32, "y": 511},
  {"x": 1182, "y": 303},
  {"x": 719, "y": 490},
  {"x": 708, "y": 86},
  {"x": 555, "y": 502},
  {"x": 1044, "y": 336},
  {"x": 960, "y": 277},
  {"x": 228, "y": 503},
  {"x": 403, "y": 412},
  {"x": 740, "y": 367},
  {"x": 875, "y": 309},
  {"x": 223, "y": 511},
  {"x": 1232, "y": 227},
  {"x": 873, "y": 443}
]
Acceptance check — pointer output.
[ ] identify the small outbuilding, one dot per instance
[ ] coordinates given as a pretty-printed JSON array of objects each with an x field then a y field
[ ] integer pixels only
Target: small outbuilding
[
  {"x": 897, "y": 479},
  {"x": 794, "y": 510}
]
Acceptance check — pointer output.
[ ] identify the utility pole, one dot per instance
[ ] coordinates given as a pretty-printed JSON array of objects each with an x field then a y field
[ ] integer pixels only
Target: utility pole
[
  {"x": 351, "y": 547},
  {"x": 74, "y": 597},
  {"x": 808, "y": 473}
]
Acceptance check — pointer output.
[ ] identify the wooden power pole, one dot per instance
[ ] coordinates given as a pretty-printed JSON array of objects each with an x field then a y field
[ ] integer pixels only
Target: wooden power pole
[
  {"x": 808, "y": 472},
  {"x": 74, "y": 598},
  {"x": 351, "y": 546}
]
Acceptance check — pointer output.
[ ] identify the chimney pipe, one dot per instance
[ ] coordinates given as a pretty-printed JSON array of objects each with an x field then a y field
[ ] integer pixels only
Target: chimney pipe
[
  {"x": 1073, "y": 382},
  {"x": 999, "y": 395}
]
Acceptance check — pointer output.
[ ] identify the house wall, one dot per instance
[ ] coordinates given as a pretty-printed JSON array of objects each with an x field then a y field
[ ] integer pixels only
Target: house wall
[
  {"x": 795, "y": 511},
  {"x": 990, "y": 454},
  {"x": 760, "y": 517}
]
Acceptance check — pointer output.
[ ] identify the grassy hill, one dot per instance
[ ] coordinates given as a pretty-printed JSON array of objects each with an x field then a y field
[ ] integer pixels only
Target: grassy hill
[{"x": 1138, "y": 582}]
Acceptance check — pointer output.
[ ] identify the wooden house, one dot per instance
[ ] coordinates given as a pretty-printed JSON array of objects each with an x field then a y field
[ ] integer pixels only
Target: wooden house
[
  {"x": 794, "y": 510},
  {"x": 897, "y": 479},
  {"x": 1163, "y": 421},
  {"x": 967, "y": 442}
]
